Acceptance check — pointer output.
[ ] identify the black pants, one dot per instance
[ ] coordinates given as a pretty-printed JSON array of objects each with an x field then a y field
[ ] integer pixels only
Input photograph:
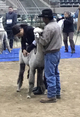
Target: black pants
[
  {"x": 65, "y": 39},
  {"x": 10, "y": 37},
  {"x": 4, "y": 44},
  {"x": 45, "y": 83}
]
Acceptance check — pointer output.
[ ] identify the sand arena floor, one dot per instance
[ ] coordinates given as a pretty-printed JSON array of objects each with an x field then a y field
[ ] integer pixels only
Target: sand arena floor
[{"x": 13, "y": 104}]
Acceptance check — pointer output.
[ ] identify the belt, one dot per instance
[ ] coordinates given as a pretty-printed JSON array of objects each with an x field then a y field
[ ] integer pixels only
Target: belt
[{"x": 52, "y": 51}]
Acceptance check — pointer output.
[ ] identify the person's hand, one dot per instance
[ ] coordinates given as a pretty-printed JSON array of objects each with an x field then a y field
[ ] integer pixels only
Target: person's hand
[{"x": 25, "y": 53}]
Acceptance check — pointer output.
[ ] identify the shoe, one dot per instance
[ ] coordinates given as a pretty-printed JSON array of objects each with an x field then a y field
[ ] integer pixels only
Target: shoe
[
  {"x": 48, "y": 100},
  {"x": 66, "y": 51},
  {"x": 38, "y": 91},
  {"x": 10, "y": 49},
  {"x": 4, "y": 48},
  {"x": 35, "y": 89},
  {"x": 73, "y": 51},
  {"x": 58, "y": 96}
]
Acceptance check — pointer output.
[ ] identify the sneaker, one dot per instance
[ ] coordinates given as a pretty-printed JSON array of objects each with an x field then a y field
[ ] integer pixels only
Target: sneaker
[
  {"x": 38, "y": 91},
  {"x": 10, "y": 49},
  {"x": 35, "y": 89},
  {"x": 73, "y": 51},
  {"x": 66, "y": 51}
]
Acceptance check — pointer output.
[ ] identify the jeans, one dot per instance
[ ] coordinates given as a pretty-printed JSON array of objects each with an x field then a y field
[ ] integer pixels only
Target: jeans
[{"x": 52, "y": 73}]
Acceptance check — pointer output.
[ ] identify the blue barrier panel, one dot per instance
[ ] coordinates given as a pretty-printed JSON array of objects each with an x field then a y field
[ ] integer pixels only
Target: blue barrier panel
[{"x": 14, "y": 55}]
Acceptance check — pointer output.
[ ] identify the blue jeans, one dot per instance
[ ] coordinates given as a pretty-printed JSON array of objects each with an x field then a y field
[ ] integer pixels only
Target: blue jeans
[{"x": 52, "y": 74}]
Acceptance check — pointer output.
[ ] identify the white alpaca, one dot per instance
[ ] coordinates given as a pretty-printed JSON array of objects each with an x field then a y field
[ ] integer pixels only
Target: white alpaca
[
  {"x": 35, "y": 60},
  {"x": 3, "y": 37},
  {"x": 61, "y": 23}
]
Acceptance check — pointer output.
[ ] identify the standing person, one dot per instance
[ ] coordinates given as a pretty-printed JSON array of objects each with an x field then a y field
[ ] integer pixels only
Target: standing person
[
  {"x": 68, "y": 30},
  {"x": 10, "y": 21},
  {"x": 51, "y": 40}
]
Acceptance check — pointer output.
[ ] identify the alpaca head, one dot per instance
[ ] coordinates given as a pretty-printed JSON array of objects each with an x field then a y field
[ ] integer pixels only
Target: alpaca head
[{"x": 38, "y": 30}]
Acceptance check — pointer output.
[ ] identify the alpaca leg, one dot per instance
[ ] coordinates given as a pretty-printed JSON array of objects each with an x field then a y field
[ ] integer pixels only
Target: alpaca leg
[
  {"x": 28, "y": 74},
  {"x": 31, "y": 82},
  {"x": 20, "y": 78},
  {"x": 40, "y": 82},
  {"x": 1, "y": 42}
]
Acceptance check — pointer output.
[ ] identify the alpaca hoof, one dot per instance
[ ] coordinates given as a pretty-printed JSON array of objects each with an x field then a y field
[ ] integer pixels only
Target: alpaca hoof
[
  {"x": 28, "y": 96},
  {"x": 0, "y": 52},
  {"x": 45, "y": 92},
  {"x": 18, "y": 88}
]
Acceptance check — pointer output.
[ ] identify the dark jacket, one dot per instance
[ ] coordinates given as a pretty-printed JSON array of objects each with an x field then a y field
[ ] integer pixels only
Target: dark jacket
[
  {"x": 68, "y": 25},
  {"x": 28, "y": 38},
  {"x": 10, "y": 20}
]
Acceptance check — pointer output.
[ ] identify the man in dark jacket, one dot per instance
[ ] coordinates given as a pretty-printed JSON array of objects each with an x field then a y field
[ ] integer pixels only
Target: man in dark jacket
[{"x": 10, "y": 21}]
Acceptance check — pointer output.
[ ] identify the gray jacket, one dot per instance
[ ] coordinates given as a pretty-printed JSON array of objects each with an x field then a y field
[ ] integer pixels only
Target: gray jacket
[{"x": 51, "y": 38}]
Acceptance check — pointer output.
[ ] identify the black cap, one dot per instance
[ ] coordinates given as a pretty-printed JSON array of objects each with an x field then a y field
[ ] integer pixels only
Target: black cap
[
  {"x": 16, "y": 29},
  {"x": 46, "y": 13}
]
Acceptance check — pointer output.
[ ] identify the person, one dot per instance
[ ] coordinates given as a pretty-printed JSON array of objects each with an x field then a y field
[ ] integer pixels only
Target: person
[
  {"x": 10, "y": 21},
  {"x": 51, "y": 40},
  {"x": 68, "y": 30},
  {"x": 26, "y": 33}
]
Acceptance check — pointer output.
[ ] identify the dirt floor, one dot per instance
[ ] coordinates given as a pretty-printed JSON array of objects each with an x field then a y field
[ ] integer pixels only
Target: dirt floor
[{"x": 16, "y": 104}]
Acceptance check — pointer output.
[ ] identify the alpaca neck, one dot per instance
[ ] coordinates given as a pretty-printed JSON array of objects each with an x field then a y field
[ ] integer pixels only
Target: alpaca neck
[
  {"x": 1, "y": 25},
  {"x": 39, "y": 48}
]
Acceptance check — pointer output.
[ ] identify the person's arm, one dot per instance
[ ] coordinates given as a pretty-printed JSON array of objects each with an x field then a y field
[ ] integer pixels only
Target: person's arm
[
  {"x": 15, "y": 19},
  {"x": 31, "y": 47},
  {"x": 23, "y": 44},
  {"x": 58, "y": 19},
  {"x": 68, "y": 21},
  {"x": 46, "y": 37},
  {"x": 31, "y": 39}
]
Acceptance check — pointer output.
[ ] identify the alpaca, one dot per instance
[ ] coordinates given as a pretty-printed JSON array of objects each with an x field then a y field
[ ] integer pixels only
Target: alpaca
[
  {"x": 35, "y": 60},
  {"x": 3, "y": 37},
  {"x": 61, "y": 23}
]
